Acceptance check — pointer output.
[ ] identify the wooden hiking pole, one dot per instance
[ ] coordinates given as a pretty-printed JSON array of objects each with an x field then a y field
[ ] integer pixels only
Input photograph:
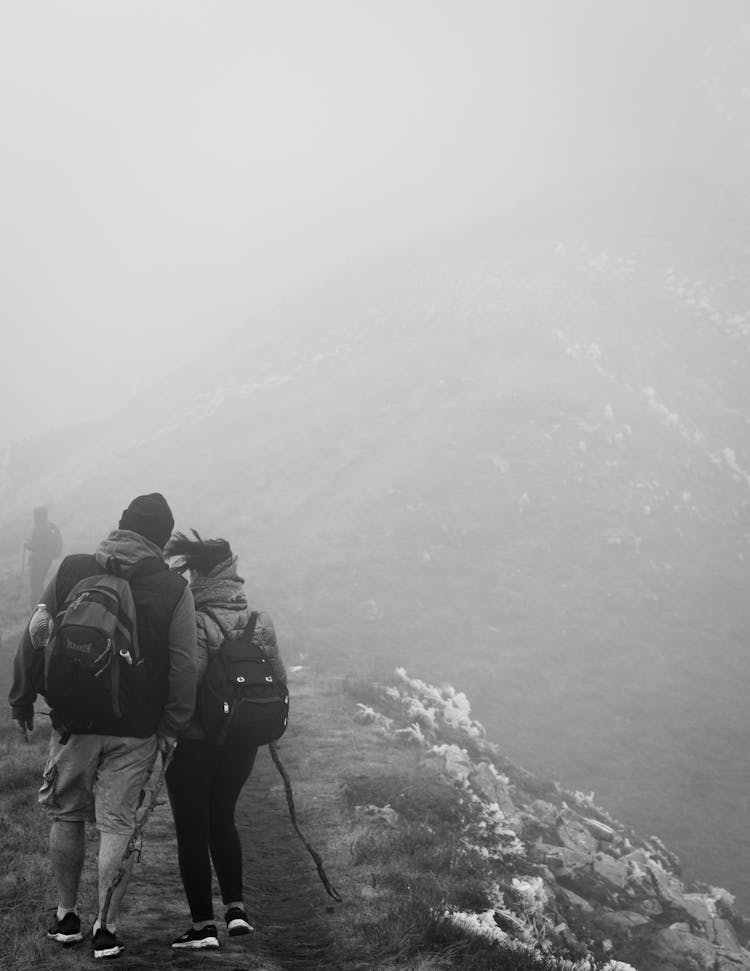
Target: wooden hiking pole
[
  {"x": 134, "y": 837},
  {"x": 329, "y": 887}
]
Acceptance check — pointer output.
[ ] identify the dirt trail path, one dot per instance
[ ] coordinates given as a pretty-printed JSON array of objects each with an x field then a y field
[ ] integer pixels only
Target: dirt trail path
[{"x": 285, "y": 898}]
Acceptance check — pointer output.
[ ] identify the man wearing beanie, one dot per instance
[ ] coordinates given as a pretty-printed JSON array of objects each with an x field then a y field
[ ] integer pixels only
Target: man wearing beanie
[
  {"x": 97, "y": 767},
  {"x": 151, "y": 517}
]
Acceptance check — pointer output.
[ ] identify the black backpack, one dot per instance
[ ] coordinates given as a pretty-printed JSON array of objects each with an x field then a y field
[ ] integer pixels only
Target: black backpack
[
  {"x": 93, "y": 667},
  {"x": 240, "y": 702}
]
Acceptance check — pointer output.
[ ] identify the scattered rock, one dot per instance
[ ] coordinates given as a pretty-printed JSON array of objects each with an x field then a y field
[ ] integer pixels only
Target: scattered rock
[
  {"x": 612, "y": 870},
  {"x": 600, "y": 830},
  {"x": 576, "y": 901},
  {"x": 677, "y": 943},
  {"x": 573, "y": 834},
  {"x": 721, "y": 933},
  {"x": 620, "y": 921},
  {"x": 604, "y": 892}
]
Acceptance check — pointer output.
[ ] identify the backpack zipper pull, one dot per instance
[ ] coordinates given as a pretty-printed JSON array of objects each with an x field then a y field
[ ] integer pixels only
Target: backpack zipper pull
[{"x": 78, "y": 601}]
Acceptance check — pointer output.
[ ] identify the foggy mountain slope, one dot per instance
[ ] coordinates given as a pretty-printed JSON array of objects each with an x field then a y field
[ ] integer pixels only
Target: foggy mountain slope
[
  {"x": 489, "y": 293},
  {"x": 518, "y": 461}
]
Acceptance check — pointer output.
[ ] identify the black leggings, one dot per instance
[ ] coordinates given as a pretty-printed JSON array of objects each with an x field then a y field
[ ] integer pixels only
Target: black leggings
[{"x": 204, "y": 782}]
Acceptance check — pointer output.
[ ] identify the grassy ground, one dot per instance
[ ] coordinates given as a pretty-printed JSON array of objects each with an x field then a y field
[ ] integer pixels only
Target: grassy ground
[
  {"x": 298, "y": 925},
  {"x": 395, "y": 880}
]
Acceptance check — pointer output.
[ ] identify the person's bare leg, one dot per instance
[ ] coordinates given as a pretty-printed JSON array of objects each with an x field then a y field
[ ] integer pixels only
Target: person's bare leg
[
  {"x": 112, "y": 846},
  {"x": 67, "y": 850}
]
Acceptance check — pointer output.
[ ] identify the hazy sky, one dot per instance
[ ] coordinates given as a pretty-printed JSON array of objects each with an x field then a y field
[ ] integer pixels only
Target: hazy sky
[{"x": 170, "y": 167}]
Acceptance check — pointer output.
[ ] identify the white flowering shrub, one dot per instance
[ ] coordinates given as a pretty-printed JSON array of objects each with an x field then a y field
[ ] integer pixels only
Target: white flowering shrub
[
  {"x": 464, "y": 811},
  {"x": 368, "y": 716},
  {"x": 584, "y": 799},
  {"x": 532, "y": 894},
  {"x": 484, "y": 926},
  {"x": 412, "y": 733},
  {"x": 478, "y": 925},
  {"x": 436, "y": 705},
  {"x": 415, "y": 708}
]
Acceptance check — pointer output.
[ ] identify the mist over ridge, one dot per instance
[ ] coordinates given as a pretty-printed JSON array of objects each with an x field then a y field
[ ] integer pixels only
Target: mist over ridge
[
  {"x": 172, "y": 171},
  {"x": 516, "y": 460}
]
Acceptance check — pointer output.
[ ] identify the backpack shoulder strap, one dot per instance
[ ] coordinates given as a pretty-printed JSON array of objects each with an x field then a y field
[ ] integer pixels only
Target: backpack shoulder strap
[
  {"x": 215, "y": 619},
  {"x": 249, "y": 628},
  {"x": 73, "y": 569}
]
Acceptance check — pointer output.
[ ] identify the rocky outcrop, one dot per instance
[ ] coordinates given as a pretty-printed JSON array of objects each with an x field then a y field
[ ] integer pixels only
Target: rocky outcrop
[{"x": 570, "y": 879}]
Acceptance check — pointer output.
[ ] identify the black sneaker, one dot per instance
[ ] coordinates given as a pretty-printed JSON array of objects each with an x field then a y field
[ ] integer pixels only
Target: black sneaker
[
  {"x": 67, "y": 930},
  {"x": 106, "y": 944},
  {"x": 205, "y": 937},
  {"x": 237, "y": 922}
]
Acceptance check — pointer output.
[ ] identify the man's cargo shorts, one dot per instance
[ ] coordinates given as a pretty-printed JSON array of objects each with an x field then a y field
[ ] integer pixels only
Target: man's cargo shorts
[{"x": 97, "y": 778}]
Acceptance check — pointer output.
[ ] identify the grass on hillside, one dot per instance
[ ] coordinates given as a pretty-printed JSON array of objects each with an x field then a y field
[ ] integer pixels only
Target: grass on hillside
[
  {"x": 388, "y": 825},
  {"x": 409, "y": 845},
  {"x": 28, "y": 894},
  {"x": 26, "y": 885},
  {"x": 419, "y": 871}
]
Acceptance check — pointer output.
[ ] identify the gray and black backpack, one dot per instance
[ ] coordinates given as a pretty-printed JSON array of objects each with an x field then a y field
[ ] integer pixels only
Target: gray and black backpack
[
  {"x": 240, "y": 702},
  {"x": 93, "y": 667}
]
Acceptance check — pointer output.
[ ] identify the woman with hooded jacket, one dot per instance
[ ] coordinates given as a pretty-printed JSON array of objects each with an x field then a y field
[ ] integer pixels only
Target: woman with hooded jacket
[{"x": 204, "y": 780}]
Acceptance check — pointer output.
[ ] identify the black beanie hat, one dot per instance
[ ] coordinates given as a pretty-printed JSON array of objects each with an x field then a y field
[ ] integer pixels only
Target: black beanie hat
[{"x": 151, "y": 517}]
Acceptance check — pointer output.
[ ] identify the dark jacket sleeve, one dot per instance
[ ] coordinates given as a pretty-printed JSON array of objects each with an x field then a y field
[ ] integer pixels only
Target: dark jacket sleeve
[
  {"x": 28, "y": 664},
  {"x": 182, "y": 668}
]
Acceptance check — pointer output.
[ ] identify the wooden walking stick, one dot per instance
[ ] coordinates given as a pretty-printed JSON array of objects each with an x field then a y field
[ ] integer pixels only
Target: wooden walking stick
[
  {"x": 329, "y": 888},
  {"x": 134, "y": 837}
]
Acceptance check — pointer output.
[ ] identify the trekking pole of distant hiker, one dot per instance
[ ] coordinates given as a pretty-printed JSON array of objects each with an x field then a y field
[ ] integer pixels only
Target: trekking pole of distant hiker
[
  {"x": 330, "y": 889},
  {"x": 134, "y": 836}
]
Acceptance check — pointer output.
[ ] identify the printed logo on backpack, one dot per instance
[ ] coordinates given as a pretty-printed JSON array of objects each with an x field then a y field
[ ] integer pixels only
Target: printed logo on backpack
[
  {"x": 92, "y": 652},
  {"x": 240, "y": 702}
]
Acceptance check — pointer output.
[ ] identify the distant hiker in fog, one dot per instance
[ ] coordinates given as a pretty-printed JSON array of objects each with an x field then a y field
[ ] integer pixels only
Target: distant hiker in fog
[
  {"x": 205, "y": 779},
  {"x": 116, "y": 700},
  {"x": 43, "y": 546}
]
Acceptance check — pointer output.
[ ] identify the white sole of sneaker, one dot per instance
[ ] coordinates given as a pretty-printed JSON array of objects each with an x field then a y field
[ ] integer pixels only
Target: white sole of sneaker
[
  {"x": 109, "y": 952},
  {"x": 237, "y": 927},
  {"x": 197, "y": 945},
  {"x": 66, "y": 938}
]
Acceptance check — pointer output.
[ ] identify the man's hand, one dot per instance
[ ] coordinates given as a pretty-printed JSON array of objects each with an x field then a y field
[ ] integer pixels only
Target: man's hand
[
  {"x": 24, "y": 723},
  {"x": 166, "y": 744}
]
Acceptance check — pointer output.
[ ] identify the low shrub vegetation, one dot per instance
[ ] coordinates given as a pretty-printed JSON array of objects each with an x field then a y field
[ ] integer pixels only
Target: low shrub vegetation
[
  {"x": 450, "y": 880},
  {"x": 421, "y": 870}
]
